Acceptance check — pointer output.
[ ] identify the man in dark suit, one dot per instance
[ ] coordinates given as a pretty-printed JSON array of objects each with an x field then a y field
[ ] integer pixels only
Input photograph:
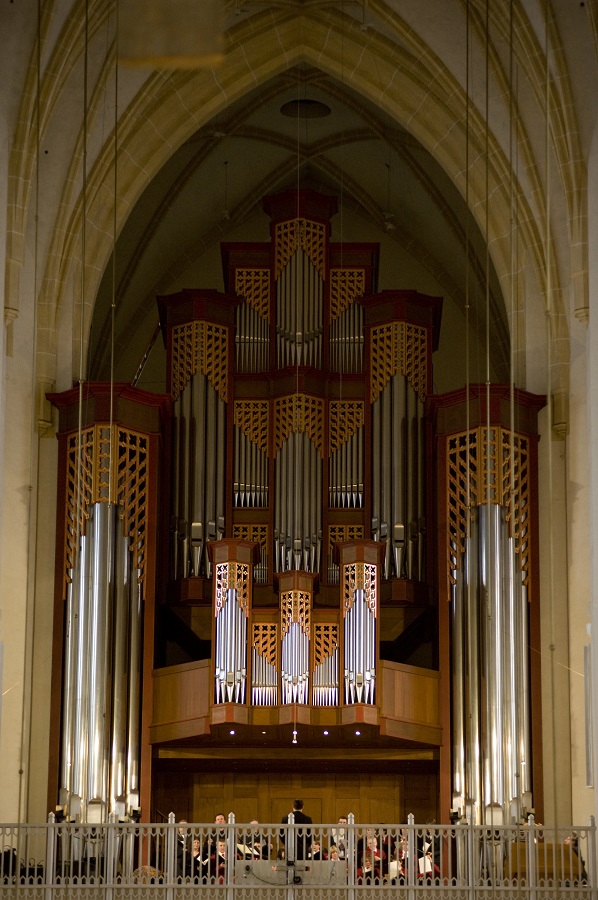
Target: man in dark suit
[{"x": 302, "y": 836}]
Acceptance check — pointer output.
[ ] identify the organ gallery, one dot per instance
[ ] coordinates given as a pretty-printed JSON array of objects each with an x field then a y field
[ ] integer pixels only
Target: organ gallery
[{"x": 300, "y": 561}]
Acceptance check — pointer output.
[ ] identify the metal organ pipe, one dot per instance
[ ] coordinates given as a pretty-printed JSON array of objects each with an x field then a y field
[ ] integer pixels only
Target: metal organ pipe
[
  {"x": 122, "y": 594},
  {"x": 100, "y": 738},
  {"x": 134, "y": 691},
  {"x": 70, "y": 659},
  {"x": 103, "y": 560}
]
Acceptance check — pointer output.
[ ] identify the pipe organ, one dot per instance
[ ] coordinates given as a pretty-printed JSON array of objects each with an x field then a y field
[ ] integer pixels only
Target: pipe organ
[
  {"x": 106, "y": 548},
  {"x": 491, "y": 520},
  {"x": 301, "y": 491}
]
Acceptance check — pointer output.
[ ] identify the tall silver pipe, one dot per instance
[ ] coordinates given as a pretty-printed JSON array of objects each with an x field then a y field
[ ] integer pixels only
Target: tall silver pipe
[
  {"x": 176, "y": 488},
  {"x": 198, "y": 517},
  {"x": 220, "y": 468},
  {"x": 120, "y": 675},
  {"x": 411, "y": 450},
  {"x": 400, "y": 474},
  {"x": 474, "y": 744},
  {"x": 376, "y": 470},
  {"x": 68, "y": 689},
  {"x": 134, "y": 698},
  {"x": 185, "y": 495},
  {"x": 524, "y": 731},
  {"x": 81, "y": 682},
  {"x": 421, "y": 491},
  {"x": 458, "y": 691},
  {"x": 385, "y": 500},
  {"x": 493, "y": 650},
  {"x": 102, "y": 564}
]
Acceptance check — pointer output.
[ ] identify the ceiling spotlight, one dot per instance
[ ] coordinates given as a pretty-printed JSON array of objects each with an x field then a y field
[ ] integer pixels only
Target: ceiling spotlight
[
  {"x": 325, "y": 732},
  {"x": 358, "y": 733},
  {"x": 232, "y": 731},
  {"x": 294, "y": 737}
]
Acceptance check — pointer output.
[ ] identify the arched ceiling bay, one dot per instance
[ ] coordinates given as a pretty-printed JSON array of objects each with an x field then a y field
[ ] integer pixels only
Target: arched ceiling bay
[{"x": 389, "y": 189}]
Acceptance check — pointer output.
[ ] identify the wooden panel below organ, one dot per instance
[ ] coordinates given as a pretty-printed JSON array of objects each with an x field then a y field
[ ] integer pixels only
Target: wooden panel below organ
[{"x": 372, "y": 796}]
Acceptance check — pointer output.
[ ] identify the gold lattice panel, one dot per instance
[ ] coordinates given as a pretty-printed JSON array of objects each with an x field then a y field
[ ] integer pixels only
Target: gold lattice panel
[
  {"x": 132, "y": 491},
  {"x": 295, "y": 606},
  {"x": 297, "y": 413},
  {"x": 301, "y": 233},
  {"x": 251, "y": 417},
  {"x": 360, "y": 576},
  {"x": 112, "y": 466},
  {"x": 339, "y": 533},
  {"x": 200, "y": 347},
  {"x": 326, "y": 637},
  {"x": 254, "y": 286},
  {"x": 398, "y": 348},
  {"x": 346, "y": 285},
  {"x": 346, "y": 417},
  {"x": 79, "y": 489},
  {"x": 516, "y": 484},
  {"x": 258, "y": 534},
  {"x": 487, "y": 466},
  {"x": 264, "y": 641},
  {"x": 231, "y": 576}
]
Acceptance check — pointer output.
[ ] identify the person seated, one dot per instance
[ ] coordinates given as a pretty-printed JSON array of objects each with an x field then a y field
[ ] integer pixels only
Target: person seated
[{"x": 371, "y": 862}]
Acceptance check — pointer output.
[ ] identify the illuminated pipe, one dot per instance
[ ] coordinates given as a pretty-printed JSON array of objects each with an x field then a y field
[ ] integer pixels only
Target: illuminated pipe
[
  {"x": 103, "y": 555},
  {"x": 120, "y": 675},
  {"x": 135, "y": 656}
]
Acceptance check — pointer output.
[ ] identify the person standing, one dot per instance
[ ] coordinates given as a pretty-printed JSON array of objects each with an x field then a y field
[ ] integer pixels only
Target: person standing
[{"x": 303, "y": 836}]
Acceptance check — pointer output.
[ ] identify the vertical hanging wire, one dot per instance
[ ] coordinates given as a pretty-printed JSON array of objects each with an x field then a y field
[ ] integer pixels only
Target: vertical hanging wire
[
  {"x": 490, "y": 749},
  {"x": 514, "y": 338},
  {"x": 79, "y": 487},
  {"x": 465, "y": 561},
  {"x": 30, "y": 621},
  {"x": 111, "y": 461},
  {"x": 549, "y": 424}
]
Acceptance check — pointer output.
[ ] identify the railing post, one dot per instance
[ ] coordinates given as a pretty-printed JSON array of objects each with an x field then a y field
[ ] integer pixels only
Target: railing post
[
  {"x": 530, "y": 857},
  {"x": 351, "y": 860},
  {"x": 472, "y": 857},
  {"x": 170, "y": 857},
  {"x": 109, "y": 867},
  {"x": 231, "y": 853},
  {"x": 591, "y": 862},
  {"x": 50, "y": 870},
  {"x": 411, "y": 857}
]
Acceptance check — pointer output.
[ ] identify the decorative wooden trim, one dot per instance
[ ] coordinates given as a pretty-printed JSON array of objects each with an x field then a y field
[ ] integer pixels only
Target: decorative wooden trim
[
  {"x": 326, "y": 640},
  {"x": 254, "y": 286},
  {"x": 200, "y": 346},
  {"x": 299, "y": 413},
  {"x": 295, "y": 606},
  {"x": 252, "y": 419},
  {"x": 487, "y": 466},
  {"x": 360, "y": 576},
  {"x": 398, "y": 348},
  {"x": 345, "y": 418},
  {"x": 231, "y": 576},
  {"x": 264, "y": 640},
  {"x": 301, "y": 234},
  {"x": 110, "y": 465},
  {"x": 346, "y": 285}
]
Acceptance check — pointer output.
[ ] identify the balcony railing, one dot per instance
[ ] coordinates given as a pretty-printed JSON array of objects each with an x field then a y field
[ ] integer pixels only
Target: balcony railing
[{"x": 289, "y": 862}]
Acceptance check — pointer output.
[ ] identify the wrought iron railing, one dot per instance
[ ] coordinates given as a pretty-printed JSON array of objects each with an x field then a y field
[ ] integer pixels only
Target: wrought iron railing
[{"x": 253, "y": 862}]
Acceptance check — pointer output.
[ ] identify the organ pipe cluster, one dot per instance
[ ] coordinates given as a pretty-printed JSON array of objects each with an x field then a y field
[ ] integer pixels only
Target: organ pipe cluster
[
  {"x": 398, "y": 479},
  {"x": 230, "y": 655},
  {"x": 199, "y": 476},
  {"x": 102, "y": 673},
  {"x": 490, "y": 684}
]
